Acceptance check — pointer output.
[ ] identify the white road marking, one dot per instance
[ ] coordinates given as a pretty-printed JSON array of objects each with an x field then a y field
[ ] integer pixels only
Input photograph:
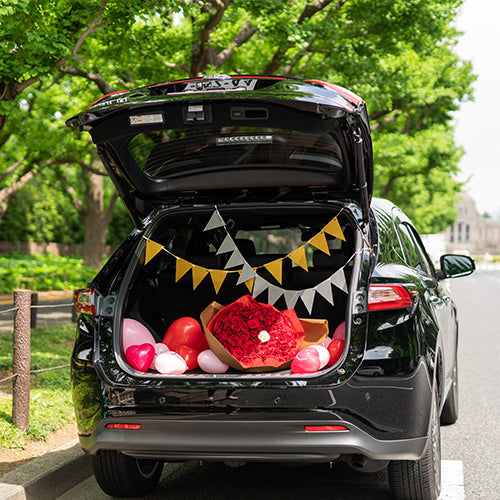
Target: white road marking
[{"x": 452, "y": 480}]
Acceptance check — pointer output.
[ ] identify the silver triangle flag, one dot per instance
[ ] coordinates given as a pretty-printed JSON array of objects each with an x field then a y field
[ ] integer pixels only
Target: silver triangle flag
[
  {"x": 307, "y": 297},
  {"x": 259, "y": 286},
  {"x": 325, "y": 290},
  {"x": 247, "y": 273},
  {"x": 215, "y": 221},
  {"x": 236, "y": 259},
  {"x": 273, "y": 294},
  {"x": 338, "y": 279},
  {"x": 291, "y": 297},
  {"x": 228, "y": 245}
]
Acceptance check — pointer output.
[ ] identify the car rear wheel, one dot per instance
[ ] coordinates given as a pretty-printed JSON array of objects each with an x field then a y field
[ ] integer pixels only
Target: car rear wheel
[
  {"x": 420, "y": 479},
  {"x": 122, "y": 476},
  {"x": 449, "y": 415}
]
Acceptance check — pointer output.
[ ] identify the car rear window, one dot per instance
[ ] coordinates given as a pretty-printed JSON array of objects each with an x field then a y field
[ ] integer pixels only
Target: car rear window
[{"x": 166, "y": 153}]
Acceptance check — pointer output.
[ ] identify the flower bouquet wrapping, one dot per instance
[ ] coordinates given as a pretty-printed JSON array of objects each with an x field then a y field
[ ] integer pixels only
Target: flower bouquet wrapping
[{"x": 251, "y": 336}]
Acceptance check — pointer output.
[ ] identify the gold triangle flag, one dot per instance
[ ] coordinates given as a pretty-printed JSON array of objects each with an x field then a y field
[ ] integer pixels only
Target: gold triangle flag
[
  {"x": 181, "y": 268},
  {"x": 198, "y": 274},
  {"x": 275, "y": 268},
  {"x": 218, "y": 276},
  {"x": 299, "y": 257},
  {"x": 319, "y": 241},
  {"x": 333, "y": 228},
  {"x": 152, "y": 249},
  {"x": 249, "y": 284}
]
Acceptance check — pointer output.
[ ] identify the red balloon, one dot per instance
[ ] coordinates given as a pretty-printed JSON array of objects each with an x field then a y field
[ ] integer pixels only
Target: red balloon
[
  {"x": 306, "y": 361},
  {"x": 141, "y": 356},
  {"x": 185, "y": 331},
  {"x": 189, "y": 355},
  {"x": 335, "y": 349}
]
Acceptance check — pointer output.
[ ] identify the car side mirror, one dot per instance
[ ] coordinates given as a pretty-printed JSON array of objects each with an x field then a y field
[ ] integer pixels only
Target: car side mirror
[{"x": 455, "y": 266}]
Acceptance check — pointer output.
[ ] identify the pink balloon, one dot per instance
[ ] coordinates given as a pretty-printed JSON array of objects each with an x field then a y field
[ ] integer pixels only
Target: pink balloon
[
  {"x": 170, "y": 363},
  {"x": 340, "y": 331},
  {"x": 306, "y": 361},
  {"x": 135, "y": 333},
  {"x": 326, "y": 342},
  {"x": 324, "y": 355},
  {"x": 210, "y": 363},
  {"x": 160, "y": 348},
  {"x": 140, "y": 356}
]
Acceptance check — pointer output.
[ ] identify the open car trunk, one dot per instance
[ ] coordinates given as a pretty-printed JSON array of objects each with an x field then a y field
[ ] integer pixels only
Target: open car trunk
[{"x": 293, "y": 256}]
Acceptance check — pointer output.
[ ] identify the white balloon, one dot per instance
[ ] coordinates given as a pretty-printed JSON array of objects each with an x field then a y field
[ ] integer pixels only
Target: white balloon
[
  {"x": 170, "y": 363},
  {"x": 160, "y": 348},
  {"x": 210, "y": 363},
  {"x": 324, "y": 355}
]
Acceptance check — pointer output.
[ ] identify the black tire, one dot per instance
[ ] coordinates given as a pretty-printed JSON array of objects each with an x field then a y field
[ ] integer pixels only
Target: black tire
[
  {"x": 449, "y": 414},
  {"x": 420, "y": 479},
  {"x": 122, "y": 476}
]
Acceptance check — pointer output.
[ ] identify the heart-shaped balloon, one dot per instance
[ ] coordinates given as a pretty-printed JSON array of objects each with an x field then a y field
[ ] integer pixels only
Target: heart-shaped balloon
[
  {"x": 306, "y": 361},
  {"x": 335, "y": 349},
  {"x": 210, "y": 363},
  {"x": 324, "y": 355},
  {"x": 189, "y": 355},
  {"x": 141, "y": 356},
  {"x": 185, "y": 331},
  {"x": 135, "y": 333},
  {"x": 160, "y": 348},
  {"x": 170, "y": 363}
]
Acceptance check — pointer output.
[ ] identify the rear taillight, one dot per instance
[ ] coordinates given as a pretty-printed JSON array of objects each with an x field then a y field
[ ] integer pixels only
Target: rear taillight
[
  {"x": 84, "y": 301},
  {"x": 325, "y": 428},
  {"x": 382, "y": 297},
  {"x": 127, "y": 427}
]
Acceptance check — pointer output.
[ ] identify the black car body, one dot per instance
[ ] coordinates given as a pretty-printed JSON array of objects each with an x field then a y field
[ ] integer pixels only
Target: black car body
[{"x": 276, "y": 159}]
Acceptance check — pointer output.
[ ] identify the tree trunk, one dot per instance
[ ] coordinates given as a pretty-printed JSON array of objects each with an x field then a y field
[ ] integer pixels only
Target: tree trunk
[{"x": 95, "y": 222}]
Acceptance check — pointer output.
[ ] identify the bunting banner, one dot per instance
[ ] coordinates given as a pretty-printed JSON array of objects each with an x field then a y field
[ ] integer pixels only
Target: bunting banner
[
  {"x": 249, "y": 276},
  {"x": 152, "y": 250}
]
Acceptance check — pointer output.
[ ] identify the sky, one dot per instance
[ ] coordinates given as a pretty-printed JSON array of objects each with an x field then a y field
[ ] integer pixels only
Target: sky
[{"x": 478, "y": 123}]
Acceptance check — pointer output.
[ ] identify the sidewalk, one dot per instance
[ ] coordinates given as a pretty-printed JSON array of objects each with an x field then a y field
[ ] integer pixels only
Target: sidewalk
[{"x": 48, "y": 476}]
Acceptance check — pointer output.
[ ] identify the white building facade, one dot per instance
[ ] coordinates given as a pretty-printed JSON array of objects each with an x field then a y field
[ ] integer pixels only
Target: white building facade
[{"x": 472, "y": 233}]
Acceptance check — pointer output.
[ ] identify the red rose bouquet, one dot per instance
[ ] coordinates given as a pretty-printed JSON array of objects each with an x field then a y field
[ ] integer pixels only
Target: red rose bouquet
[{"x": 257, "y": 335}]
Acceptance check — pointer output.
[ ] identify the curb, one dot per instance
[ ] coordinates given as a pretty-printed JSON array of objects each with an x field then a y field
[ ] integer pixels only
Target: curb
[{"x": 48, "y": 476}]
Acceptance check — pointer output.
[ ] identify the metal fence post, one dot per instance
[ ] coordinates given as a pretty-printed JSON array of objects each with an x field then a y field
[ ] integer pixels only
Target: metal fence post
[{"x": 21, "y": 359}]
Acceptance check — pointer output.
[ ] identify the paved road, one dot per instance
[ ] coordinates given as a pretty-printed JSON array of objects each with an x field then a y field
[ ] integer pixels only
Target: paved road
[
  {"x": 475, "y": 438},
  {"x": 471, "y": 447}
]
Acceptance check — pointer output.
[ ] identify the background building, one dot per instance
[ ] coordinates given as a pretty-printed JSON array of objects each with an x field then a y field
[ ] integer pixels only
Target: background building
[{"x": 472, "y": 233}]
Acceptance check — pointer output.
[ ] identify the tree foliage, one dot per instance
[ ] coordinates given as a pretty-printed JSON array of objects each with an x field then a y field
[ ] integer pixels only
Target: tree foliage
[{"x": 57, "y": 56}]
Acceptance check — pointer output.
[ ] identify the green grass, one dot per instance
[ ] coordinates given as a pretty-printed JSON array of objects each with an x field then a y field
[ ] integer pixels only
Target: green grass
[
  {"x": 50, "y": 396},
  {"x": 42, "y": 272}
]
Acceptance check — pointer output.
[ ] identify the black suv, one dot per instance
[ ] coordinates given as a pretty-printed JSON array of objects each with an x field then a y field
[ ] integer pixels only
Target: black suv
[{"x": 254, "y": 195}]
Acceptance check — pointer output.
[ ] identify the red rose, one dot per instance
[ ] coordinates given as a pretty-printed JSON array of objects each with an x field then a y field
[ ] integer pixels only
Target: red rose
[
  {"x": 253, "y": 324},
  {"x": 238, "y": 325}
]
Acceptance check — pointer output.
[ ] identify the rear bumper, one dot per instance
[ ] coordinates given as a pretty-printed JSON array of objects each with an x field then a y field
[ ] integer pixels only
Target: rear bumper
[{"x": 277, "y": 441}]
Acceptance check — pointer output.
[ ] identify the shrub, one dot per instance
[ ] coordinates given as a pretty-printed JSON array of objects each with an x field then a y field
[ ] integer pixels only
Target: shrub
[{"x": 42, "y": 272}]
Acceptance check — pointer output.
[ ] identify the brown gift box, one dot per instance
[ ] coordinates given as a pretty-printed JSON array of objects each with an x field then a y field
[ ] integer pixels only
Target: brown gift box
[{"x": 315, "y": 330}]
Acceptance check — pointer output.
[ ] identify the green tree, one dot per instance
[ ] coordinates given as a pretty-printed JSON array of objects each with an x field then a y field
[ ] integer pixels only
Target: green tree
[
  {"x": 36, "y": 42},
  {"x": 398, "y": 55}
]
